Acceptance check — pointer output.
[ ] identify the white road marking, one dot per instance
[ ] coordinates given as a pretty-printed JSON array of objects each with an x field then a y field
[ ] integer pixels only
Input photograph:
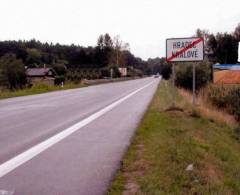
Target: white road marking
[{"x": 20, "y": 159}]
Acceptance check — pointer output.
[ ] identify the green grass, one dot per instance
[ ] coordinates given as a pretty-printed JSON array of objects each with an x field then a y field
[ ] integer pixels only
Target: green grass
[
  {"x": 168, "y": 141},
  {"x": 42, "y": 88},
  {"x": 38, "y": 89}
]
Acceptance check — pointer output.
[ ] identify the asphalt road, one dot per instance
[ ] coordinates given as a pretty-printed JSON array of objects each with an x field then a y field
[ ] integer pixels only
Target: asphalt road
[{"x": 69, "y": 142}]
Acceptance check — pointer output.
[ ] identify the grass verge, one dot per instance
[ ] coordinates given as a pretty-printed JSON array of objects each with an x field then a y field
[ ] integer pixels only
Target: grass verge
[
  {"x": 179, "y": 151},
  {"x": 38, "y": 89},
  {"x": 42, "y": 88}
]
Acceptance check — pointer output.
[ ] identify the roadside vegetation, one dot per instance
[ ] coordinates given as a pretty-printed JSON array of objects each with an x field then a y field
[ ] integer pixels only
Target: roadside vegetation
[
  {"x": 37, "y": 89},
  {"x": 43, "y": 88},
  {"x": 226, "y": 97},
  {"x": 181, "y": 150},
  {"x": 221, "y": 48}
]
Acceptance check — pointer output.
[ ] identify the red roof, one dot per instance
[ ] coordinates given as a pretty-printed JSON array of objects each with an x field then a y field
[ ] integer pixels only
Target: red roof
[{"x": 40, "y": 72}]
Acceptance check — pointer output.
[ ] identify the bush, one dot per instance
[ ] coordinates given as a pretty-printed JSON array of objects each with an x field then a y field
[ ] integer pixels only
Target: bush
[
  {"x": 184, "y": 75},
  {"x": 60, "y": 69},
  {"x": 59, "y": 80},
  {"x": 133, "y": 72},
  {"x": 226, "y": 97},
  {"x": 12, "y": 72},
  {"x": 40, "y": 87},
  {"x": 166, "y": 71}
]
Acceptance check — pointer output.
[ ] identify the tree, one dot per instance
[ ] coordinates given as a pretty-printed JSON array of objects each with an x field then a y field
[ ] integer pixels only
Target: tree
[
  {"x": 237, "y": 33},
  {"x": 60, "y": 68},
  {"x": 212, "y": 48},
  {"x": 166, "y": 69},
  {"x": 12, "y": 72},
  {"x": 104, "y": 50},
  {"x": 107, "y": 41},
  {"x": 119, "y": 47},
  {"x": 33, "y": 57},
  {"x": 224, "y": 48},
  {"x": 204, "y": 34},
  {"x": 155, "y": 65},
  {"x": 227, "y": 48},
  {"x": 100, "y": 42}
]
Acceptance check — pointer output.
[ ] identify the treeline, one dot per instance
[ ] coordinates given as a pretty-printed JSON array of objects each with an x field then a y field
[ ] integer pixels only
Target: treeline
[
  {"x": 159, "y": 66},
  {"x": 69, "y": 61},
  {"x": 222, "y": 47}
]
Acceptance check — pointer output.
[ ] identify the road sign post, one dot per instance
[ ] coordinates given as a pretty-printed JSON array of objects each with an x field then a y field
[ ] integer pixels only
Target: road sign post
[
  {"x": 194, "y": 84},
  {"x": 185, "y": 50},
  {"x": 173, "y": 85},
  {"x": 238, "y": 51}
]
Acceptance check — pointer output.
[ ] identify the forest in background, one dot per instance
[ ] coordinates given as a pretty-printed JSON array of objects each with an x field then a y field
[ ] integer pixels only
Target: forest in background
[{"x": 71, "y": 62}]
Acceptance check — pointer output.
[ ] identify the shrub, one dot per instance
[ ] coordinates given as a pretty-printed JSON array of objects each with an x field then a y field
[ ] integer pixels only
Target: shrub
[
  {"x": 133, "y": 72},
  {"x": 59, "y": 80},
  {"x": 40, "y": 87},
  {"x": 226, "y": 97},
  {"x": 184, "y": 75},
  {"x": 166, "y": 71},
  {"x": 12, "y": 72}
]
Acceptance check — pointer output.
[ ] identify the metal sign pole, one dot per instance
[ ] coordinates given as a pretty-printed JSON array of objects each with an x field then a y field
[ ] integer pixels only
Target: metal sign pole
[
  {"x": 194, "y": 84},
  {"x": 173, "y": 85},
  {"x": 185, "y": 50}
]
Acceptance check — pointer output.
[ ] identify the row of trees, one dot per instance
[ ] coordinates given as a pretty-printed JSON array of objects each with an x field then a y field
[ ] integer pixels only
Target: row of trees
[
  {"x": 67, "y": 60},
  {"x": 221, "y": 47},
  {"x": 159, "y": 66}
]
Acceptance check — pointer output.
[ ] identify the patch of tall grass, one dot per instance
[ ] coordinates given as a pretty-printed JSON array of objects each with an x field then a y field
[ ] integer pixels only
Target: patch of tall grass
[
  {"x": 209, "y": 111},
  {"x": 226, "y": 97},
  {"x": 37, "y": 89}
]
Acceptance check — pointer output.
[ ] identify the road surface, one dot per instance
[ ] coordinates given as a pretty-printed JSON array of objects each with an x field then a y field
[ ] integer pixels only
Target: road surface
[{"x": 69, "y": 142}]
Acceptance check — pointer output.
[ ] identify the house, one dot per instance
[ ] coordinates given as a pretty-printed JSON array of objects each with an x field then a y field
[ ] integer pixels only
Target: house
[{"x": 41, "y": 75}]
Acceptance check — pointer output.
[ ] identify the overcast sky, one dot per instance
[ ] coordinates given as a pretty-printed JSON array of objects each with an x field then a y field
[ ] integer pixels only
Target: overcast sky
[{"x": 144, "y": 24}]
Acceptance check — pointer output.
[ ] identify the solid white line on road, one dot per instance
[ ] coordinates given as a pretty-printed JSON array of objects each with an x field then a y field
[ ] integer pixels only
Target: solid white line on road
[{"x": 20, "y": 159}]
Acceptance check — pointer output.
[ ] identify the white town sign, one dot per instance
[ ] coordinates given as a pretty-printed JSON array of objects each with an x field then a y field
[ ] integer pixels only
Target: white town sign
[{"x": 184, "y": 49}]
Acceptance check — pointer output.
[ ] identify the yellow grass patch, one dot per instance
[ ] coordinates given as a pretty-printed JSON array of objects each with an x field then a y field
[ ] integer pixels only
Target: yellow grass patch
[{"x": 209, "y": 111}]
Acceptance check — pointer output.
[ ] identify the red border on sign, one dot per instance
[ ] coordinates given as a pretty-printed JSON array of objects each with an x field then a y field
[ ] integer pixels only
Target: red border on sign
[{"x": 185, "y": 49}]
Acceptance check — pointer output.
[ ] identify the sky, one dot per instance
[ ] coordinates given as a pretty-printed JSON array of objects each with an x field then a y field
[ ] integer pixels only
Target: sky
[{"x": 144, "y": 24}]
